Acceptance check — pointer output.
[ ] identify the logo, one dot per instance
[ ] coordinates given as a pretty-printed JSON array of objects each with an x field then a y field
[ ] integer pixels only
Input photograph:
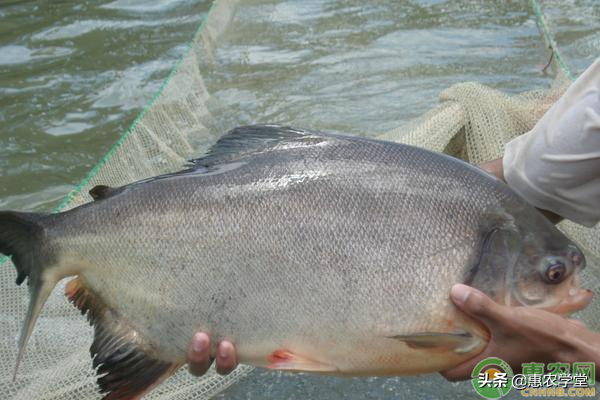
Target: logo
[
  {"x": 492, "y": 378},
  {"x": 586, "y": 369}
]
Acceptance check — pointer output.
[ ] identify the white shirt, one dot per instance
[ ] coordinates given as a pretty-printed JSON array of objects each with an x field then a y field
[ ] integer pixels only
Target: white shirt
[{"x": 556, "y": 165}]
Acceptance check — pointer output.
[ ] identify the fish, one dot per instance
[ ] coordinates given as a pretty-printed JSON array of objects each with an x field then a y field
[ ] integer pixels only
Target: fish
[{"x": 310, "y": 251}]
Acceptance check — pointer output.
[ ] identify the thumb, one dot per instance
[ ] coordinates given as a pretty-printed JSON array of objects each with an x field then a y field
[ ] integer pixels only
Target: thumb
[{"x": 476, "y": 304}]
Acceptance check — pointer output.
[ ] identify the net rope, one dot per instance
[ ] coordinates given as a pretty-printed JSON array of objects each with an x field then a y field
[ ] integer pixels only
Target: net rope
[
  {"x": 548, "y": 38},
  {"x": 472, "y": 122}
]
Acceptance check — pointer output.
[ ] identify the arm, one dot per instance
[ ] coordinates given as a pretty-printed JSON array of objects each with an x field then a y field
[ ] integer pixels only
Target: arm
[
  {"x": 556, "y": 165},
  {"x": 496, "y": 168},
  {"x": 523, "y": 334}
]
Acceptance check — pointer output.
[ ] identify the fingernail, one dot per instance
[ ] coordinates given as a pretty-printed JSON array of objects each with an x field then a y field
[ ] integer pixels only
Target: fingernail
[
  {"x": 460, "y": 293},
  {"x": 224, "y": 351},
  {"x": 200, "y": 342}
]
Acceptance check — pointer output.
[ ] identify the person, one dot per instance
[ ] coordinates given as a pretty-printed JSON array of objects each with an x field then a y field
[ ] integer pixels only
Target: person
[{"x": 555, "y": 167}]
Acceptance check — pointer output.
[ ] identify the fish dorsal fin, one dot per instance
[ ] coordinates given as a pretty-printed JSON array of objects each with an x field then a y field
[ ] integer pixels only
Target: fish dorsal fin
[
  {"x": 246, "y": 140},
  {"x": 100, "y": 192},
  {"x": 123, "y": 358}
]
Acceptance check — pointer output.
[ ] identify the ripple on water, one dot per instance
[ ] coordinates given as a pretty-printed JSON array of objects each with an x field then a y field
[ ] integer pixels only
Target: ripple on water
[
  {"x": 73, "y": 76},
  {"x": 15, "y": 54},
  {"x": 144, "y": 5}
]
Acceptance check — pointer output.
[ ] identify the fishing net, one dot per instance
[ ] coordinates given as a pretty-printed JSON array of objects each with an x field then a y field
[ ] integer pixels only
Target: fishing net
[
  {"x": 178, "y": 124},
  {"x": 472, "y": 122}
]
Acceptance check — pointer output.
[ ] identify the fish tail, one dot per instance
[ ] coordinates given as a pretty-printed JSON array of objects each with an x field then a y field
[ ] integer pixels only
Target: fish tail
[
  {"x": 123, "y": 358},
  {"x": 23, "y": 237}
]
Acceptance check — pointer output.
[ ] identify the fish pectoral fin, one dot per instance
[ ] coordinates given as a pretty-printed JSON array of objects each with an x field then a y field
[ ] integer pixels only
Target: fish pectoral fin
[
  {"x": 289, "y": 361},
  {"x": 457, "y": 341},
  {"x": 125, "y": 367}
]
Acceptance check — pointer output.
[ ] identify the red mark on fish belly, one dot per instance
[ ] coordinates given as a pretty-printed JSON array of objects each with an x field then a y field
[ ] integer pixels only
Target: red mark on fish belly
[
  {"x": 280, "y": 355},
  {"x": 286, "y": 360}
]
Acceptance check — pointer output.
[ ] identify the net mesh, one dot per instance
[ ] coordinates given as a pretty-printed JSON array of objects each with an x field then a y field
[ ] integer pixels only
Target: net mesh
[
  {"x": 57, "y": 362},
  {"x": 472, "y": 122}
]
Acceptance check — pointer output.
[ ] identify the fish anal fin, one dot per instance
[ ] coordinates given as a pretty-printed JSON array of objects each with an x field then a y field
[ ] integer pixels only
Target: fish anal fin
[
  {"x": 460, "y": 342},
  {"x": 125, "y": 365},
  {"x": 289, "y": 361},
  {"x": 129, "y": 374}
]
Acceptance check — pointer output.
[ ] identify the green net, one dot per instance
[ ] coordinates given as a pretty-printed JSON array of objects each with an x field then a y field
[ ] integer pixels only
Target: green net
[{"x": 473, "y": 122}]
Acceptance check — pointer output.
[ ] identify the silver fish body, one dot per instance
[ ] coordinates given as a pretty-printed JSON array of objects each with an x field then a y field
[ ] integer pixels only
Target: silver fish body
[{"x": 310, "y": 252}]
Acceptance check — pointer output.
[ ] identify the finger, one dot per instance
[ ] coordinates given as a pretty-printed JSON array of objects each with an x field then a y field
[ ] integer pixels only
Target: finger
[
  {"x": 226, "y": 358},
  {"x": 463, "y": 371},
  {"x": 494, "y": 167},
  {"x": 198, "y": 356},
  {"x": 577, "y": 322},
  {"x": 460, "y": 373},
  {"x": 478, "y": 305}
]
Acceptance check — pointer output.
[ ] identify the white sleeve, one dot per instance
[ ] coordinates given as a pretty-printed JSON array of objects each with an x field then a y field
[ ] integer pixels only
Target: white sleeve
[{"x": 556, "y": 165}]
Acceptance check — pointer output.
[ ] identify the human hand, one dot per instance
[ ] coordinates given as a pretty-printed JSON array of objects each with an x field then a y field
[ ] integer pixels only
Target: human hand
[
  {"x": 494, "y": 167},
  {"x": 199, "y": 358},
  {"x": 522, "y": 334}
]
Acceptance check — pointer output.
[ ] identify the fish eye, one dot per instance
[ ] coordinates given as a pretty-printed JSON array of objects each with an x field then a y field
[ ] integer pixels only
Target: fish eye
[{"x": 555, "y": 272}]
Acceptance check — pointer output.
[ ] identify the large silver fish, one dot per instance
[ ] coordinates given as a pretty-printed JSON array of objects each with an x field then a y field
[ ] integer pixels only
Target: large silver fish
[{"x": 311, "y": 252}]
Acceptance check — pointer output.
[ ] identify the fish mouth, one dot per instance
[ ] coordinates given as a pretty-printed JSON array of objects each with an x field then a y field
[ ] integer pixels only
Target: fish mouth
[
  {"x": 569, "y": 298},
  {"x": 577, "y": 300}
]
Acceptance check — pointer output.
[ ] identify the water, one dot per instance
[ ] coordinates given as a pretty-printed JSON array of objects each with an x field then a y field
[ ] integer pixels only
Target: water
[
  {"x": 364, "y": 69},
  {"x": 73, "y": 76}
]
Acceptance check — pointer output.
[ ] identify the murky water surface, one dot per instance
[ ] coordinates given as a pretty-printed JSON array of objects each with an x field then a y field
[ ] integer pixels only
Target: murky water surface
[{"x": 73, "y": 76}]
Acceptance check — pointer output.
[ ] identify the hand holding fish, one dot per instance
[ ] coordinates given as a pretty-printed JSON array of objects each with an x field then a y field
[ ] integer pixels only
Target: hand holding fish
[
  {"x": 199, "y": 359},
  {"x": 518, "y": 334},
  {"x": 523, "y": 334}
]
